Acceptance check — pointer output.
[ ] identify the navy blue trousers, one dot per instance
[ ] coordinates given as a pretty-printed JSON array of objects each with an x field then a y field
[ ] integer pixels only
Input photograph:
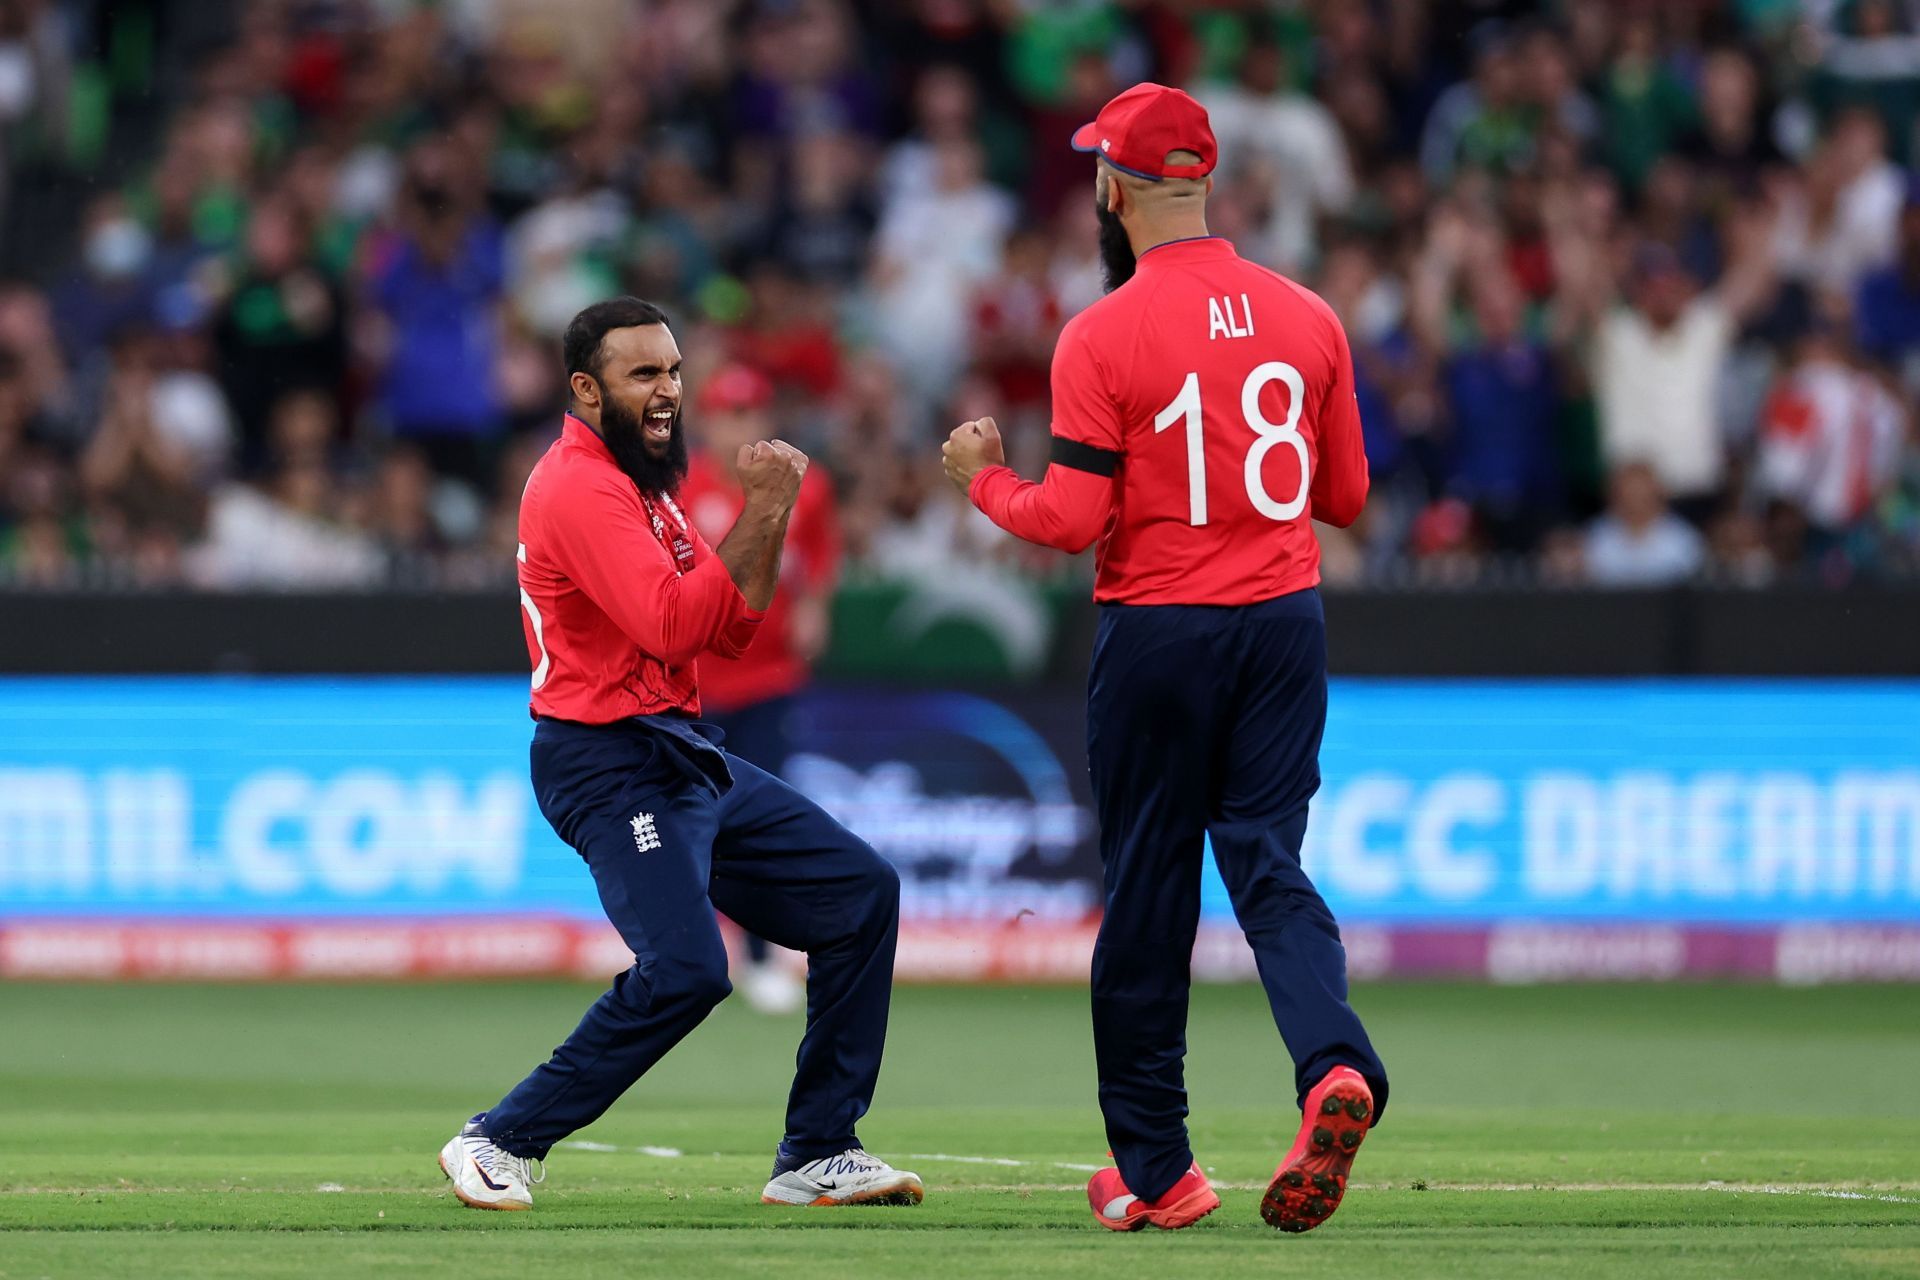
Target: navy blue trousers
[
  {"x": 672, "y": 827},
  {"x": 1205, "y": 721},
  {"x": 759, "y": 732}
]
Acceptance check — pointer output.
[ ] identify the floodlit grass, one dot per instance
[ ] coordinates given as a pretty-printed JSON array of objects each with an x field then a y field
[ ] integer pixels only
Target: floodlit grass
[{"x": 1539, "y": 1132}]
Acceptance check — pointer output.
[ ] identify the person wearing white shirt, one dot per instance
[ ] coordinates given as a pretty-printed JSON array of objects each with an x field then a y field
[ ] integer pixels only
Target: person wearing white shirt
[
  {"x": 1286, "y": 140},
  {"x": 933, "y": 247},
  {"x": 1843, "y": 220},
  {"x": 1657, "y": 366}
]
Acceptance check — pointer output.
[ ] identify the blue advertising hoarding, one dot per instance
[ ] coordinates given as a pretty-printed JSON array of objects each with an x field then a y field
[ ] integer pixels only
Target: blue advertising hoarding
[{"x": 1708, "y": 802}]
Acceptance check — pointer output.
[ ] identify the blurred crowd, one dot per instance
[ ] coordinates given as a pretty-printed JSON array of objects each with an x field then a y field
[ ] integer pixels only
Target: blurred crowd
[{"x": 1633, "y": 287}]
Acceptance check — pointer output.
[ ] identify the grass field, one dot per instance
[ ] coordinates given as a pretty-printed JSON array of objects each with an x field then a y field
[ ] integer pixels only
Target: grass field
[{"x": 1538, "y": 1132}]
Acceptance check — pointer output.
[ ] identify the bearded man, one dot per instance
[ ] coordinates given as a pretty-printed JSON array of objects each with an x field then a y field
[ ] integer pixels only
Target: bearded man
[{"x": 620, "y": 595}]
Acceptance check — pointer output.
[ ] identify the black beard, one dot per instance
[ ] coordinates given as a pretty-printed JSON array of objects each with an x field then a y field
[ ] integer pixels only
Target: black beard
[
  {"x": 1116, "y": 251},
  {"x": 626, "y": 440}
]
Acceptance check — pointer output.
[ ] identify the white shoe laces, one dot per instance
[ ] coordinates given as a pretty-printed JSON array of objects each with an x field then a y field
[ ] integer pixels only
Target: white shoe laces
[
  {"x": 530, "y": 1171},
  {"x": 853, "y": 1160},
  {"x": 504, "y": 1164}
]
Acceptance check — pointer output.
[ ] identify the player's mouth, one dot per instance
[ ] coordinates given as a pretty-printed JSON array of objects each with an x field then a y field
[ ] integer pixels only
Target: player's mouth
[{"x": 659, "y": 425}]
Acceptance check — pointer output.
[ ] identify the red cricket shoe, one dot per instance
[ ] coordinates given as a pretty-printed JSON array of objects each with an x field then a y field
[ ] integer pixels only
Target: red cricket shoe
[
  {"x": 1117, "y": 1209},
  {"x": 1308, "y": 1184}
]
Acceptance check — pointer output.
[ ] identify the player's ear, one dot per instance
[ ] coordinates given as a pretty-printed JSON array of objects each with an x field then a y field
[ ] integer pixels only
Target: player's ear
[{"x": 585, "y": 389}]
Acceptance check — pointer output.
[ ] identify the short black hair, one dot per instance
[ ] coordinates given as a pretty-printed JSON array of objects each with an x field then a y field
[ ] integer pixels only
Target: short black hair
[{"x": 586, "y": 331}]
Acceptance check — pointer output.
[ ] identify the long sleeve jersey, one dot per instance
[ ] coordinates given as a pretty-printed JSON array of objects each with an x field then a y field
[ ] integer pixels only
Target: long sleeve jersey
[
  {"x": 1203, "y": 417},
  {"x": 619, "y": 593}
]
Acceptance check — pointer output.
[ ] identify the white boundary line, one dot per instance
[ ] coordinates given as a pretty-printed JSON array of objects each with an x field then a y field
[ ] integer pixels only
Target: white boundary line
[
  {"x": 1829, "y": 1193},
  {"x": 1817, "y": 1190},
  {"x": 659, "y": 1153},
  {"x": 1002, "y": 1161},
  {"x": 1774, "y": 1189}
]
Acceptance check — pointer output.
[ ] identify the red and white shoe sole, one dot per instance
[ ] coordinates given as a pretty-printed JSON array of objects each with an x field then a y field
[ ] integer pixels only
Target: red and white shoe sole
[
  {"x": 1185, "y": 1213},
  {"x": 1307, "y": 1190},
  {"x": 1182, "y": 1213}
]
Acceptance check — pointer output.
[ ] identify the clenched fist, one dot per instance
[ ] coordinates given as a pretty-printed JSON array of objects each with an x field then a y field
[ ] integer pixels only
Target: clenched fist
[
  {"x": 770, "y": 472},
  {"x": 972, "y": 448}
]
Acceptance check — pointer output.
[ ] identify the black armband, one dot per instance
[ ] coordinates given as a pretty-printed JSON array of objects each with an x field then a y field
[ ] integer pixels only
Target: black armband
[{"x": 1085, "y": 457}]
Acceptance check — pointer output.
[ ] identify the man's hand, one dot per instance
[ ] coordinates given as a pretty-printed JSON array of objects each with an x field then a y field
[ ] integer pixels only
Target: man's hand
[
  {"x": 972, "y": 448},
  {"x": 770, "y": 472}
]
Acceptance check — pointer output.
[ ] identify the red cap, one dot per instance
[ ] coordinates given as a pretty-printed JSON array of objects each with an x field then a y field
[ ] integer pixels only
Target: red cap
[
  {"x": 735, "y": 387},
  {"x": 1141, "y": 127}
]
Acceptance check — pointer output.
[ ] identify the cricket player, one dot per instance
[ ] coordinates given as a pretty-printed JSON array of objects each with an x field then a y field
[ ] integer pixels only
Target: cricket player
[
  {"x": 1203, "y": 414},
  {"x": 620, "y": 596}
]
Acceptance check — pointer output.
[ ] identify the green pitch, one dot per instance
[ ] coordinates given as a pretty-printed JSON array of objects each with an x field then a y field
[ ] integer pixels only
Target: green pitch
[{"x": 1547, "y": 1132}]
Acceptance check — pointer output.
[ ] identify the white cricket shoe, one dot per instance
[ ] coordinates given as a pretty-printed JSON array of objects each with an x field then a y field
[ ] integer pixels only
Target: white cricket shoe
[
  {"x": 852, "y": 1177},
  {"x": 484, "y": 1176},
  {"x": 771, "y": 989}
]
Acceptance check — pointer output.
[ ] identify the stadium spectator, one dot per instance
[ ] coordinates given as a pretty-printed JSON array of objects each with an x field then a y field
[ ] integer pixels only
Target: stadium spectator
[
  {"x": 820, "y": 224},
  {"x": 389, "y": 205},
  {"x": 1500, "y": 386},
  {"x": 162, "y": 435},
  {"x": 1869, "y": 54},
  {"x": 1646, "y": 106},
  {"x": 31, "y": 377},
  {"x": 1640, "y": 542},
  {"x": 1016, "y": 319},
  {"x": 788, "y": 331},
  {"x": 1832, "y": 434},
  {"x": 1657, "y": 364},
  {"x": 284, "y": 533},
  {"x": 1841, "y": 221},
  {"x": 438, "y": 283},
  {"x": 734, "y": 410},
  {"x": 802, "y": 75},
  {"x": 946, "y": 108},
  {"x": 282, "y": 325},
  {"x": 1887, "y": 311},
  {"x": 1480, "y": 122},
  {"x": 564, "y": 253},
  {"x": 1285, "y": 142},
  {"x": 41, "y": 544},
  {"x": 1730, "y": 145},
  {"x": 1389, "y": 368},
  {"x": 934, "y": 245},
  {"x": 671, "y": 251},
  {"x": 1062, "y": 97},
  {"x": 400, "y": 508},
  {"x": 1549, "y": 88},
  {"x": 109, "y": 290},
  {"x": 36, "y": 81},
  {"x": 27, "y": 332},
  {"x": 1737, "y": 545}
]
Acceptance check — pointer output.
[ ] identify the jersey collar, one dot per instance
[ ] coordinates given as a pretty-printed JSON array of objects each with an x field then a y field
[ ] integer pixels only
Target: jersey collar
[
  {"x": 1190, "y": 249},
  {"x": 581, "y": 436}
]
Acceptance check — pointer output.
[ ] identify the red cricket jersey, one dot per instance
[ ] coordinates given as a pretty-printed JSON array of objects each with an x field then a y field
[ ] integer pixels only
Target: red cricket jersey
[
  {"x": 808, "y": 566},
  {"x": 1203, "y": 415},
  {"x": 619, "y": 593}
]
